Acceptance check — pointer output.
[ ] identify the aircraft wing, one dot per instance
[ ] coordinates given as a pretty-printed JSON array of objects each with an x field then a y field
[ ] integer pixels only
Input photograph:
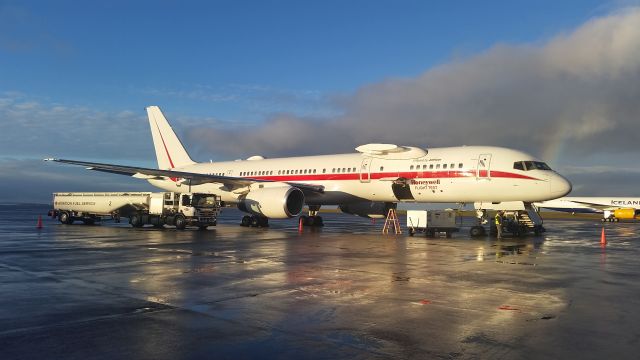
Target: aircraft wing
[{"x": 187, "y": 177}]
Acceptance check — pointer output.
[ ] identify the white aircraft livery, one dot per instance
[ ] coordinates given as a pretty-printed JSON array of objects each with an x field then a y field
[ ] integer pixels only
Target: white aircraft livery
[
  {"x": 365, "y": 183},
  {"x": 612, "y": 208}
]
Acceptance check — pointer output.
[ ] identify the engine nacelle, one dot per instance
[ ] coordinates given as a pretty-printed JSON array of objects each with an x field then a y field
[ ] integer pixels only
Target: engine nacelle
[
  {"x": 273, "y": 202},
  {"x": 625, "y": 213},
  {"x": 370, "y": 209}
]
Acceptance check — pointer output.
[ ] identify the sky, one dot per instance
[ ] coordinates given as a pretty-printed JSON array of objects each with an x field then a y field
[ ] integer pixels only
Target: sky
[{"x": 558, "y": 79}]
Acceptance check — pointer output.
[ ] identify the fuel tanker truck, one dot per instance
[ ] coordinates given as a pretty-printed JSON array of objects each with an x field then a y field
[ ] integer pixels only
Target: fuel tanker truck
[{"x": 142, "y": 208}]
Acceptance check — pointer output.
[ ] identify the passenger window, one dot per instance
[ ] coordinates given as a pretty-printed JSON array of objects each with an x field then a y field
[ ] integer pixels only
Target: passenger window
[
  {"x": 381, "y": 168},
  {"x": 444, "y": 166},
  {"x": 324, "y": 171},
  {"x": 431, "y": 167},
  {"x": 452, "y": 166},
  {"x": 333, "y": 170},
  {"x": 437, "y": 166},
  {"x": 424, "y": 167},
  {"x": 411, "y": 167},
  {"x": 460, "y": 166}
]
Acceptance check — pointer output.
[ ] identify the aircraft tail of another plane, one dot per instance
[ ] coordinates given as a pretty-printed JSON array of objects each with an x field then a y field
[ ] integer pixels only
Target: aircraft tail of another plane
[{"x": 169, "y": 150}]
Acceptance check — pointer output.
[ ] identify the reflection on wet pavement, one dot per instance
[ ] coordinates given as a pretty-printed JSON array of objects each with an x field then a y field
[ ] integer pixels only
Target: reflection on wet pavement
[{"x": 342, "y": 291}]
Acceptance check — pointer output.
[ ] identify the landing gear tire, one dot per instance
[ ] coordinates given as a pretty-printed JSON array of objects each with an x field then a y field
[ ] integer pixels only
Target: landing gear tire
[
  {"x": 477, "y": 231},
  {"x": 136, "y": 221},
  {"x": 65, "y": 218},
  {"x": 181, "y": 222},
  {"x": 310, "y": 221},
  {"x": 259, "y": 221}
]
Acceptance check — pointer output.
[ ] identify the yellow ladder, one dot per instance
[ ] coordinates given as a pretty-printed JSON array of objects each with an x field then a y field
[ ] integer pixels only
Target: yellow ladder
[{"x": 392, "y": 219}]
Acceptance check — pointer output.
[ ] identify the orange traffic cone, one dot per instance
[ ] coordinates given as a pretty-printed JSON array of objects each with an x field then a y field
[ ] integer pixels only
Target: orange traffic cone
[
  {"x": 603, "y": 238},
  {"x": 300, "y": 224},
  {"x": 39, "y": 225}
]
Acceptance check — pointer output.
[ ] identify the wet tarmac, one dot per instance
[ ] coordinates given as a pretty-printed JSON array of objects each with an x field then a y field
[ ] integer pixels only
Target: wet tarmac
[{"x": 343, "y": 291}]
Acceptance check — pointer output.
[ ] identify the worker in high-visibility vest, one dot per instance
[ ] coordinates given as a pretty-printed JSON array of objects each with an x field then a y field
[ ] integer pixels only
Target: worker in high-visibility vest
[{"x": 499, "y": 224}]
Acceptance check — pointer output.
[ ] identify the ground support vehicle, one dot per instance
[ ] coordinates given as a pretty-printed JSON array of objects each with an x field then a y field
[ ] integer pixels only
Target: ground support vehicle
[
  {"x": 142, "y": 208},
  {"x": 432, "y": 222},
  {"x": 518, "y": 219}
]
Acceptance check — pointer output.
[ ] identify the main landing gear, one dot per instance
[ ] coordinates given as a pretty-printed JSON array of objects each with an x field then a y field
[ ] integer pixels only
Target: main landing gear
[
  {"x": 313, "y": 219},
  {"x": 255, "y": 221}
]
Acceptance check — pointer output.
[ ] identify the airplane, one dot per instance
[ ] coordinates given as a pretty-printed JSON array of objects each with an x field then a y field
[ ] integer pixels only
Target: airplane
[
  {"x": 366, "y": 183},
  {"x": 612, "y": 208}
]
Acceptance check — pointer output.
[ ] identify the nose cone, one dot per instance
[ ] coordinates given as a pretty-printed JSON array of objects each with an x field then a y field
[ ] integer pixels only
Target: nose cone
[{"x": 559, "y": 186}]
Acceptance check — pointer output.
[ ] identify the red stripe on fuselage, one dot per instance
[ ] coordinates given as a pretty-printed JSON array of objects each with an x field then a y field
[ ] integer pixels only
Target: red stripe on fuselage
[{"x": 377, "y": 176}]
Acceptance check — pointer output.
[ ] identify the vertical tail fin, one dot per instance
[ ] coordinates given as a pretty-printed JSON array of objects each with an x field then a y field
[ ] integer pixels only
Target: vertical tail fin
[{"x": 169, "y": 150}]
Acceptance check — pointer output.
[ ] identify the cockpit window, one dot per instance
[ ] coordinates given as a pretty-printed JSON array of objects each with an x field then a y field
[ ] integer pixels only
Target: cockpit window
[
  {"x": 530, "y": 165},
  {"x": 518, "y": 165}
]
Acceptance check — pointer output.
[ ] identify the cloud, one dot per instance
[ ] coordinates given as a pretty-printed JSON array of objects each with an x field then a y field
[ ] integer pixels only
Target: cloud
[
  {"x": 29, "y": 180},
  {"x": 556, "y": 99},
  {"x": 37, "y": 128},
  {"x": 261, "y": 100},
  {"x": 603, "y": 180}
]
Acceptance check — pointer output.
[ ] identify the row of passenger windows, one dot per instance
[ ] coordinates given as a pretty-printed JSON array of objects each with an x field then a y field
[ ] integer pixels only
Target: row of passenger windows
[
  {"x": 435, "y": 166},
  {"x": 298, "y": 171},
  {"x": 339, "y": 170}
]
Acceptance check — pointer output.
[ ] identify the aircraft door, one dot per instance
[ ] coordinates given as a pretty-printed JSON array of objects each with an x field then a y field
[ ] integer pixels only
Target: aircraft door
[
  {"x": 484, "y": 167},
  {"x": 365, "y": 170}
]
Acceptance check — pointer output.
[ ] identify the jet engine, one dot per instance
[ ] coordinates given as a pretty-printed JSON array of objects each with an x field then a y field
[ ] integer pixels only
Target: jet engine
[
  {"x": 273, "y": 202},
  {"x": 370, "y": 209}
]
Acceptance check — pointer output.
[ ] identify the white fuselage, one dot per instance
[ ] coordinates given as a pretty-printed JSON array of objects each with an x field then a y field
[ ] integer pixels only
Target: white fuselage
[
  {"x": 590, "y": 204},
  {"x": 454, "y": 174}
]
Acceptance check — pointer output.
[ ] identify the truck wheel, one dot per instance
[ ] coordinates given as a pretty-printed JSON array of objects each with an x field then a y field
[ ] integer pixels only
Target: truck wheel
[
  {"x": 65, "y": 218},
  {"x": 136, "y": 220},
  {"x": 476, "y": 231},
  {"x": 181, "y": 222},
  {"x": 246, "y": 221},
  {"x": 203, "y": 227}
]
